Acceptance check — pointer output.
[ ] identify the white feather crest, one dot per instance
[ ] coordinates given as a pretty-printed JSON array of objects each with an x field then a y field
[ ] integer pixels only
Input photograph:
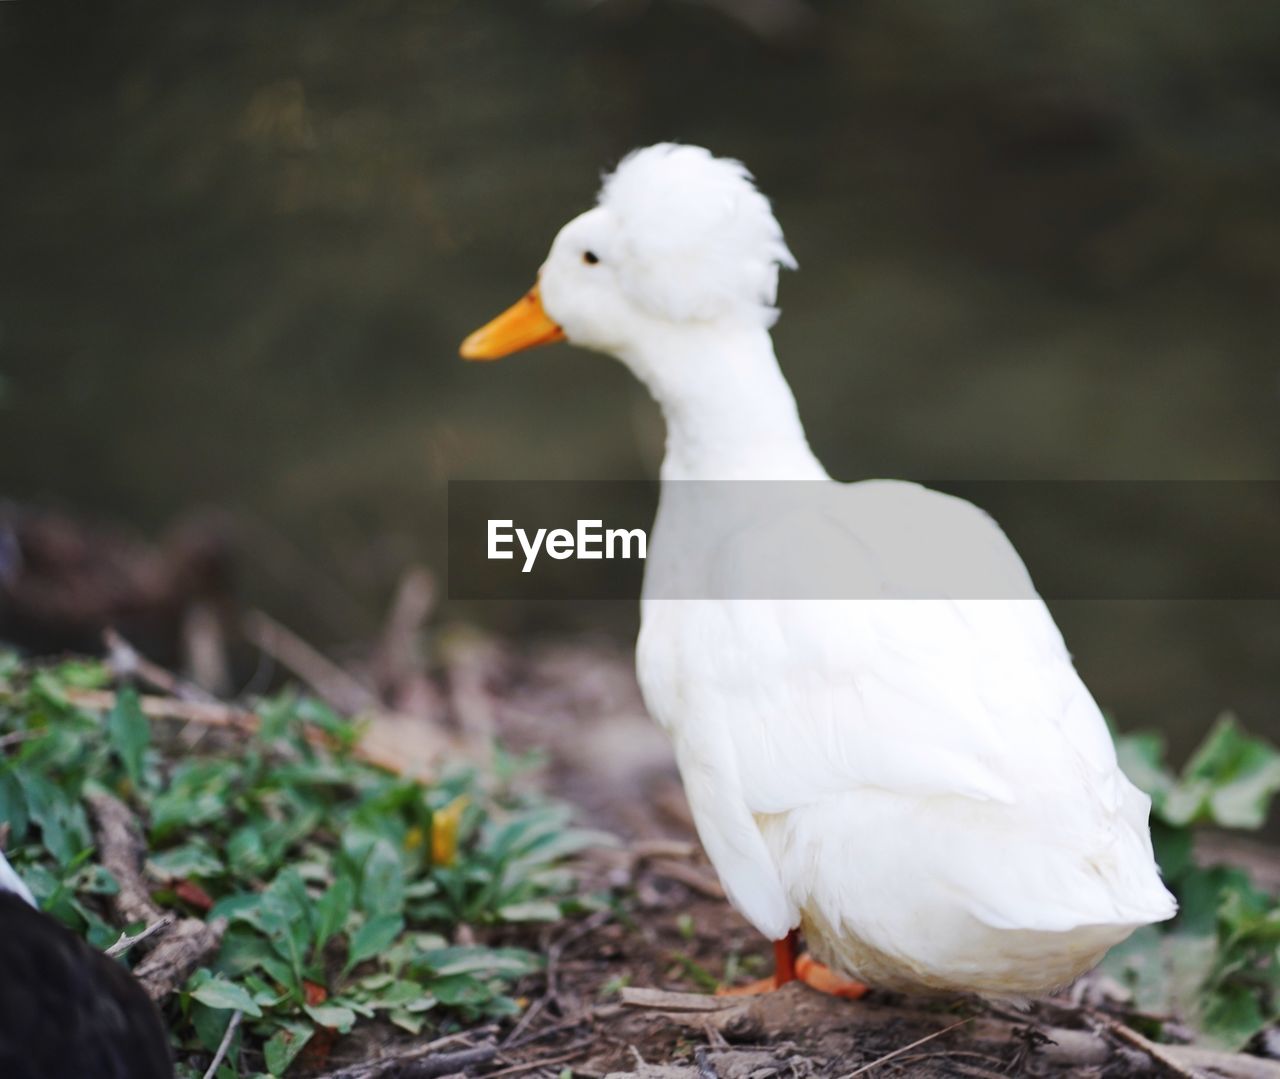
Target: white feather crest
[{"x": 702, "y": 242}]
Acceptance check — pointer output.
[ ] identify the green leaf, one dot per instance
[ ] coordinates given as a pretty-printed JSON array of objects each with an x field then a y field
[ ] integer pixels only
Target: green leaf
[
  {"x": 461, "y": 989},
  {"x": 82, "y": 674},
  {"x": 1173, "y": 850},
  {"x": 398, "y": 994},
  {"x": 277, "y": 715},
  {"x": 1200, "y": 895},
  {"x": 283, "y": 1047},
  {"x": 407, "y": 1021},
  {"x": 331, "y": 1015},
  {"x": 219, "y": 992},
  {"x": 1230, "y": 779},
  {"x": 534, "y": 910},
  {"x": 129, "y": 733},
  {"x": 10, "y": 664},
  {"x": 247, "y": 851},
  {"x": 198, "y": 793},
  {"x": 374, "y": 936},
  {"x": 64, "y": 829},
  {"x": 1233, "y": 1015},
  {"x": 332, "y": 910},
  {"x": 193, "y": 859},
  {"x": 13, "y": 804},
  {"x": 383, "y": 883},
  {"x": 511, "y": 961},
  {"x": 242, "y": 951},
  {"x": 283, "y": 914}
]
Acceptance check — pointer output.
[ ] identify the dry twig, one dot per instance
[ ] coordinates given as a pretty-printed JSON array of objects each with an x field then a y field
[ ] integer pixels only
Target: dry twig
[
  {"x": 181, "y": 948},
  {"x": 1159, "y": 1054},
  {"x": 397, "y": 658},
  {"x": 418, "y": 1063},
  {"x": 544, "y": 1062},
  {"x": 688, "y": 875},
  {"x": 225, "y": 1044},
  {"x": 666, "y": 1001},
  {"x": 127, "y": 662},
  {"x": 905, "y": 1049},
  {"x": 329, "y": 681},
  {"x": 126, "y": 942},
  {"x": 218, "y": 715}
]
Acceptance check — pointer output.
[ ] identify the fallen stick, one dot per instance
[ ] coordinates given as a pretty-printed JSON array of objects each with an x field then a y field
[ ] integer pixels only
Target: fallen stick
[
  {"x": 126, "y": 942},
  {"x": 218, "y": 715},
  {"x": 180, "y": 948},
  {"x": 225, "y": 1044},
  {"x": 329, "y": 681},
  {"x": 469, "y": 665},
  {"x": 186, "y": 946},
  {"x": 126, "y": 662},
  {"x": 1092, "y": 1048},
  {"x": 666, "y": 1001},
  {"x": 1160, "y": 1055},
  {"x": 602, "y": 1011},
  {"x": 421, "y": 1063},
  {"x": 121, "y": 850},
  {"x": 209, "y": 713},
  {"x": 690, "y": 876},
  {"x": 398, "y": 655},
  {"x": 905, "y": 1049},
  {"x": 643, "y": 849},
  {"x": 545, "y": 1062}
]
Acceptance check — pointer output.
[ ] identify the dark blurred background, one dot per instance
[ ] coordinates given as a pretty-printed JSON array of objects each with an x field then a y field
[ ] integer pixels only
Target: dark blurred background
[{"x": 239, "y": 243}]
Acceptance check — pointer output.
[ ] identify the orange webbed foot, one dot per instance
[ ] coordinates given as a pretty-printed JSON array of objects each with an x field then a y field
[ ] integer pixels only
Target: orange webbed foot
[
  {"x": 787, "y": 967},
  {"x": 825, "y": 980},
  {"x": 751, "y": 989}
]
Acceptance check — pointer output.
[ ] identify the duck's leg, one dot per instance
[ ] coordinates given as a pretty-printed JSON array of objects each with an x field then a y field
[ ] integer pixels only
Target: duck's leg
[
  {"x": 784, "y": 970},
  {"x": 787, "y": 967}
]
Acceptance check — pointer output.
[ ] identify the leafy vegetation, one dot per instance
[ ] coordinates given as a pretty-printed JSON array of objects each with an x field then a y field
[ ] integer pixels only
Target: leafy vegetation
[
  {"x": 1217, "y": 964},
  {"x": 343, "y": 885}
]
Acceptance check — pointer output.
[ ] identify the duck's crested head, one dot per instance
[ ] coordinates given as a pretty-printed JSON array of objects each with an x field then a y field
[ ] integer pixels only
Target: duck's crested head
[
  {"x": 678, "y": 237},
  {"x": 696, "y": 239}
]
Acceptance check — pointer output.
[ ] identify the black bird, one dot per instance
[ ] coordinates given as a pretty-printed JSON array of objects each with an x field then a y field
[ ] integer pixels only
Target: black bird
[{"x": 66, "y": 1010}]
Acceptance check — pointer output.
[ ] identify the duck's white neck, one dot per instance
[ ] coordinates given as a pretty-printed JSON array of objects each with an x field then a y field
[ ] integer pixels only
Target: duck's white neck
[{"x": 730, "y": 413}]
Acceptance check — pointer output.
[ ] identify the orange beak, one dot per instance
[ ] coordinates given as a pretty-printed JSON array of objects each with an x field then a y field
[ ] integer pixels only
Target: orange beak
[{"x": 522, "y": 325}]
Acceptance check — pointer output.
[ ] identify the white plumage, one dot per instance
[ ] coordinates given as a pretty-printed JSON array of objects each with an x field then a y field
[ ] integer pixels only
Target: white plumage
[{"x": 923, "y": 784}]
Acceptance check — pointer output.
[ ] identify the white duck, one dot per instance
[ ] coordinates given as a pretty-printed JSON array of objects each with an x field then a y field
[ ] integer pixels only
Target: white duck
[{"x": 925, "y": 786}]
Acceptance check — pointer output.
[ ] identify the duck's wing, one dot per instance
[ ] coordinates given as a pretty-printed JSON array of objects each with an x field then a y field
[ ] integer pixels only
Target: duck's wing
[
  {"x": 927, "y": 686},
  {"x": 946, "y": 697}
]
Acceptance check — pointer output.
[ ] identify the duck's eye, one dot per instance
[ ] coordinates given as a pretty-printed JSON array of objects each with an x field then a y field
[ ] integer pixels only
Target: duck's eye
[{"x": 590, "y": 258}]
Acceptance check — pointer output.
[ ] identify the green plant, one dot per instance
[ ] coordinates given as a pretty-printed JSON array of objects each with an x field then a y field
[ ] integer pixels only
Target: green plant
[
  {"x": 1217, "y": 964},
  {"x": 342, "y": 883}
]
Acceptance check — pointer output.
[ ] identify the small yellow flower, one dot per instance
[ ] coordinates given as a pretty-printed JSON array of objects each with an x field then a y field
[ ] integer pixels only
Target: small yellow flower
[{"x": 444, "y": 831}]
